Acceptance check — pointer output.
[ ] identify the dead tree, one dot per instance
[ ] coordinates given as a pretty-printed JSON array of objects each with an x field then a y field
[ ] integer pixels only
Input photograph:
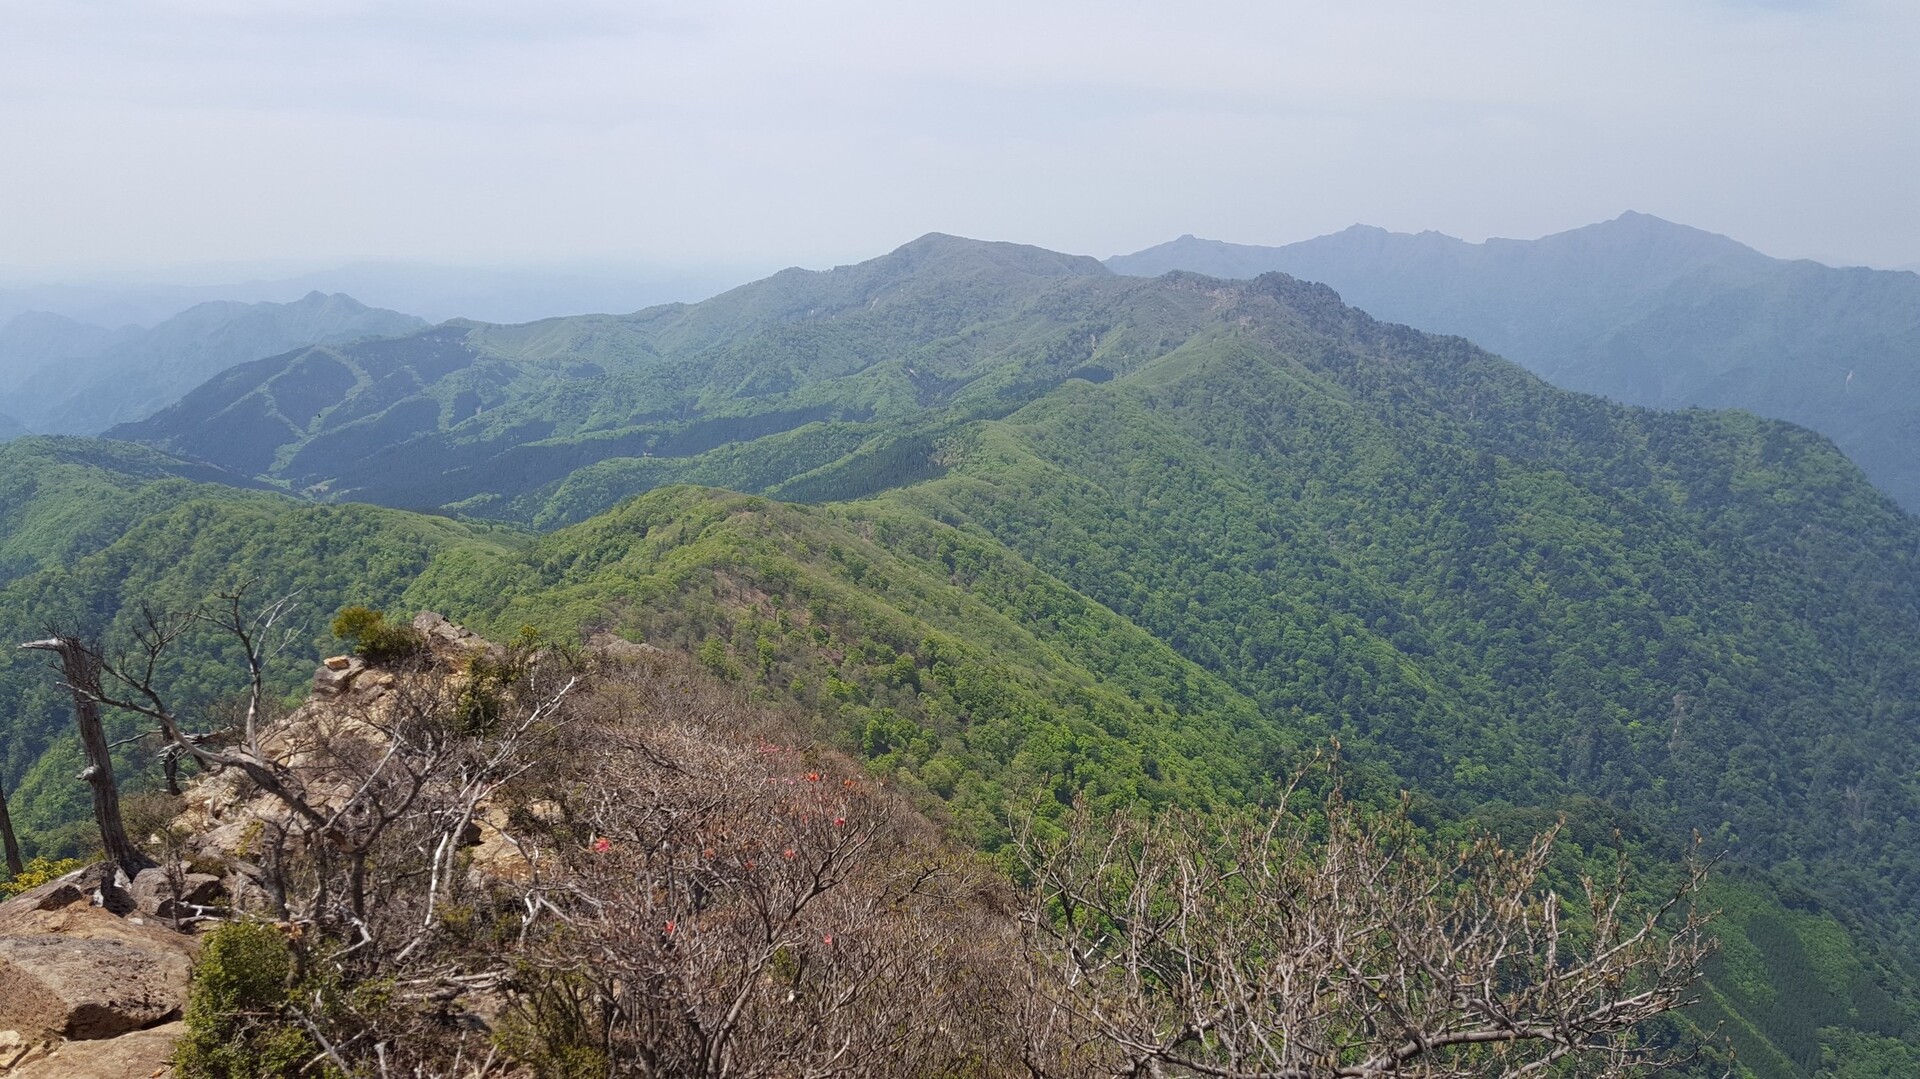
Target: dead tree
[
  {"x": 15, "y": 866},
  {"x": 137, "y": 689},
  {"x": 81, "y": 666}
]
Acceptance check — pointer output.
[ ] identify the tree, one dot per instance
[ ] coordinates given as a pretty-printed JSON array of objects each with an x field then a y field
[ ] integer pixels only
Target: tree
[
  {"x": 15, "y": 866},
  {"x": 80, "y": 663}
]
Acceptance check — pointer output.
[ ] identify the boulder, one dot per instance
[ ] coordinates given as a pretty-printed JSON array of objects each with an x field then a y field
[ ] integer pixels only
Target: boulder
[
  {"x": 54, "y": 894},
  {"x": 618, "y": 651},
  {"x": 79, "y": 972},
  {"x": 331, "y": 681},
  {"x": 83, "y": 989},
  {"x": 153, "y": 893},
  {"x": 144, "y": 1054}
]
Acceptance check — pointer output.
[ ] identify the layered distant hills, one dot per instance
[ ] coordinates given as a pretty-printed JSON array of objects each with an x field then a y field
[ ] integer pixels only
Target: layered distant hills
[
  {"x": 1008, "y": 525},
  {"x": 1644, "y": 311},
  {"x": 435, "y": 292},
  {"x": 558, "y": 419},
  {"x": 70, "y": 377}
]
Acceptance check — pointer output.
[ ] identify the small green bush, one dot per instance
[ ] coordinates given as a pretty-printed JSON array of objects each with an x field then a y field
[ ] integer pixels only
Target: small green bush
[
  {"x": 483, "y": 694},
  {"x": 375, "y": 638},
  {"x": 237, "y": 1027}
]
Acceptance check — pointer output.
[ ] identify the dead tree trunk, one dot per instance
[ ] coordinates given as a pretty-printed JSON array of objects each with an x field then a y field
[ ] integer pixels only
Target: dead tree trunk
[
  {"x": 82, "y": 669},
  {"x": 15, "y": 866}
]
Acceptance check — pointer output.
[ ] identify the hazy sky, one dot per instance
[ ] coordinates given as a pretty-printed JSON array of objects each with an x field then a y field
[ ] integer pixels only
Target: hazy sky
[{"x": 769, "y": 133}]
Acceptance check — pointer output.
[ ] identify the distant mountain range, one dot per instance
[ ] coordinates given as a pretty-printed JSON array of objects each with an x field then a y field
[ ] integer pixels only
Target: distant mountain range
[
  {"x": 434, "y": 292},
  {"x": 1012, "y": 526},
  {"x": 497, "y": 420},
  {"x": 69, "y": 377},
  {"x": 1644, "y": 311}
]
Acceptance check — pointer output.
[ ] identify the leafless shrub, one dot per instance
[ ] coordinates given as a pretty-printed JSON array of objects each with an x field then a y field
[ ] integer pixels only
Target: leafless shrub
[
  {"x": 1333, "y": 943},
  {"x": 739, "y": 906}
]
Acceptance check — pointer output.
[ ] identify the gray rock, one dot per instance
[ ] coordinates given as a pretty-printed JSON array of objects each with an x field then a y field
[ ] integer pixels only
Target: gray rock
[
  {"x": 153, "y": 893},
  {"x": 87, "y": 988},
  {"x": 329, "y": 681}
]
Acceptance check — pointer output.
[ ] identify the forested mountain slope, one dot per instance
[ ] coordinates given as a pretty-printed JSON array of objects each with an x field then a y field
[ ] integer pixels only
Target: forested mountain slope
[
  {"x": 1148, "y": 539},
  {"x": 67, "y": 377},
  {"x": 62, "y": 497},
  {"x": 952, "y": 665},
  {"x": 91, "y": 531},
  {"x": 1644, "y": 311},
  {"x": 492, "y": 419}
]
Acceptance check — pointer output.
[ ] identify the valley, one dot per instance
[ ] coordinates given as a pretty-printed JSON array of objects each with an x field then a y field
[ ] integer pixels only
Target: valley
[{"x": 1009, "y": 525}]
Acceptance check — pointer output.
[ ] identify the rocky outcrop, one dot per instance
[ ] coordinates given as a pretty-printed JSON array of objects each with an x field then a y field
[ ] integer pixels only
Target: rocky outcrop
[
  {"x": 83, "y": 989},
  {"x": 448, "y": 641},
  {"x": 176, "y": 895},
  {"x": 94, "y": 968},
  {"x": 75, "y": 973}
]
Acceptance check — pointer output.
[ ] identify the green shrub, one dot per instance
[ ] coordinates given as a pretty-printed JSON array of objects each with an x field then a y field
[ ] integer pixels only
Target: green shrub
[
  {"x": 237, "y": 1026},
  {"x": 375, "y": 638},
  {"x": 483, "y": 694}
]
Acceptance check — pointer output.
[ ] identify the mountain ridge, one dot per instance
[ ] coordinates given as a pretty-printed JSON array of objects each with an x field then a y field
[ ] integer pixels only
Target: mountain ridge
[
  {"x": 1147, "y": 539},
  {"x": 73, "y": 378},
  {"x": 1643, "y": 311}
]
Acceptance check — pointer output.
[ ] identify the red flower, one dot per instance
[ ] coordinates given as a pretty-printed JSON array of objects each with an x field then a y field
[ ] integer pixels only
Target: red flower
[
  {"x": 839, "y": 822},
  {"x": 788, "y": 853},
  {"x": 669, "y": 926},
  {"x": 813, "y": 777},
  {"x": 602, "y": 845},
  {"x": 827, "y": 940}
]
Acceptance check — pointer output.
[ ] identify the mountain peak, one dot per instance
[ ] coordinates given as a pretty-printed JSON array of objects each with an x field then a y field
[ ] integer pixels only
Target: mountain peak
[
  {"x": 945, "y": 250},
  {"x": 1674, "y": 247}
]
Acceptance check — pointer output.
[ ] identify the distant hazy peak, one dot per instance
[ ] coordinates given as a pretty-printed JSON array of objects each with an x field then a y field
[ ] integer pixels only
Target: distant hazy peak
[
  {"x": 942, "y": 250},
  {"x": 1657, "y": 249},
  {"x": 313, "y": 303},
  {"x": 39, "y": 320}
]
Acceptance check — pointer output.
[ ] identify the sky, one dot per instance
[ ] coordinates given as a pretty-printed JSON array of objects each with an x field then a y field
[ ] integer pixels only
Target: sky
[{"x": 765, "y": 134}]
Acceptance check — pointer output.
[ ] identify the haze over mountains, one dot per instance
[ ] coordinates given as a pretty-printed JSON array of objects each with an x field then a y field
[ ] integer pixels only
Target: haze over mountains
[
  {"x": 68, "y": 377},
  {"x": 1644, "y": 311},
  {"x": 433, "y": 292},
  {"x": 1011, "y": 524}
]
